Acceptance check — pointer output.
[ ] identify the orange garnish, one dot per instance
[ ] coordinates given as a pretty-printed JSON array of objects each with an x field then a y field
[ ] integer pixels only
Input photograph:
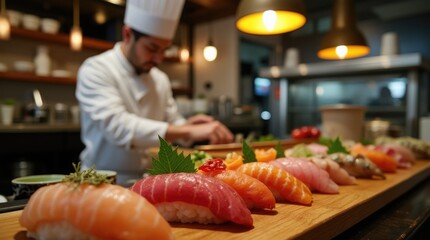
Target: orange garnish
[
  {"x": 233, "y": 161},
  {"x": 265, "y": 155}
]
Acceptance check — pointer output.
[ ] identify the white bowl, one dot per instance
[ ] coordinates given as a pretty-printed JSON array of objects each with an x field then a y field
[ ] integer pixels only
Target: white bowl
[
  {"x": 50, "y": 25},
  {"x": 31, "y": 22},
  {"x": 23, "y": 66},
  {"x": 15, "y": 17},
  {"x": 60, "y": 73}
]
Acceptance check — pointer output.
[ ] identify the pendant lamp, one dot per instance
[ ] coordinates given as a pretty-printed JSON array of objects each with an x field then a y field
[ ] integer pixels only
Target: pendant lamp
[
  {"x": 4, "y": 22},
  {"x": 76, "y": 32},
  {"x": 210, "y": 52},
  {"x": 269, "y": 17},
  {"x": 344, "y": 40}
]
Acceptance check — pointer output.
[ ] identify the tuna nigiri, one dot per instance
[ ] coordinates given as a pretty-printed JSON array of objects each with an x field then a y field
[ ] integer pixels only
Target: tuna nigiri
[
  {"x": 314, "y": 177},
  {"x": 285, "y": 186},
  {"x": 68, "y": 211},
  {"x": 255, "y": 194},
  {"x": 191, "y": 197}
]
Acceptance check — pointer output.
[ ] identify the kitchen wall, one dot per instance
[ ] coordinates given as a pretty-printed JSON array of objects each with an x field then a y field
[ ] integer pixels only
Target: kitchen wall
[{"x": 223, "y": 73}]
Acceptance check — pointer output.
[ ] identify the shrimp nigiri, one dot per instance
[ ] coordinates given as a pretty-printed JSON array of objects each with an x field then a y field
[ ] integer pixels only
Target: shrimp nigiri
[
  {"x": 314, "y": 177},
  {"x": 191, "y": 197},
  {"x": 284, "y": 185},
  {"x": 67, "y": 211},
  {"x": 255, "y": 194}
]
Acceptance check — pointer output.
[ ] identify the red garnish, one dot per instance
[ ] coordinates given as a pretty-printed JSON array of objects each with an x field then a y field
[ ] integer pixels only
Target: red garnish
[{"x": 213, "y": 165}]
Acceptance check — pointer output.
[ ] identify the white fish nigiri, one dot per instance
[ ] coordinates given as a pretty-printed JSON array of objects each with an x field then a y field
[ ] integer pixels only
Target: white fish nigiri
[{"x": 337, "y": 174}]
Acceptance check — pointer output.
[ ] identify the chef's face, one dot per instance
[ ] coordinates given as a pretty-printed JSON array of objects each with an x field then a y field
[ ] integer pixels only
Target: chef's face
[{"x": 145, "y": 52}]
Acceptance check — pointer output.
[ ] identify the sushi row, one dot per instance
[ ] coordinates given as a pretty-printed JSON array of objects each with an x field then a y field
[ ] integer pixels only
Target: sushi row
[{"x": 207, "y": 191}]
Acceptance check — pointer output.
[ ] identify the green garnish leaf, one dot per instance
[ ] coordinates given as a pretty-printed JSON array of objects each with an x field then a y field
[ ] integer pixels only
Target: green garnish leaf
[
  {"x": 89, "y": 176},
  {"x": 337, "y": 147},
  {"x": 280, "y": 153},
  {"x": 248, "y": 153},
  {"x": 169, "y": 161}
]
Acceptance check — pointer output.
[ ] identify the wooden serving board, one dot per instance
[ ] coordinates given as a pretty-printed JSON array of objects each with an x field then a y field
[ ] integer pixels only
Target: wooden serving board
[{"x": 328, "y": 216}]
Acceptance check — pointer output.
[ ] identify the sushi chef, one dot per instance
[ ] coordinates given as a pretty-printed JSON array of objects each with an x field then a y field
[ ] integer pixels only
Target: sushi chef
[{"x": 126, "y": 102}]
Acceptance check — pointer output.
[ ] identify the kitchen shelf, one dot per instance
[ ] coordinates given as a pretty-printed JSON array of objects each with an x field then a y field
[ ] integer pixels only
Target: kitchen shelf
[
  {"x": 61, "y": 38},
  {"x": 30, "y": 77}
]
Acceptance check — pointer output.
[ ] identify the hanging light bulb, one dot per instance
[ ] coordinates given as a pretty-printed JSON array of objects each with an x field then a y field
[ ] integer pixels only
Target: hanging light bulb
[
  {"x": 76, "y": 38},
  {"x": 266, "y": 17},
  {"x": 269, "y": 20},
  {"x": 210, "y": 52},
  {"x": 4, "y": 22},
  {"x": 76, "y": 32},
  {"x": 184, "y": 54},
  {"x": 344, "y": 40}
]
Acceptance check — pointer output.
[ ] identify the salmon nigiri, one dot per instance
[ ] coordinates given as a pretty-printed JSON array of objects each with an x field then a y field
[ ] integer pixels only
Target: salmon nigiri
[
  {"x": 284, "y": 185},
  {"x": 314, "y": 177},
  {"x": 85, "y": 211},
  {"x": 191, "y": 197},
  {"x": 382, "y": 160},
  {"x": 255, "y": 194}
]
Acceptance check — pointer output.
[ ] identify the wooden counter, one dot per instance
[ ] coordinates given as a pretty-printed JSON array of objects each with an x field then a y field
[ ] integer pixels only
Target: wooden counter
[{"x": 329, "y": 215}]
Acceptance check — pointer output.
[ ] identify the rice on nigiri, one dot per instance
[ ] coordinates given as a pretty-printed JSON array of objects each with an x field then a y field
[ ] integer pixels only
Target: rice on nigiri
[{"x": 69, "y": 210}]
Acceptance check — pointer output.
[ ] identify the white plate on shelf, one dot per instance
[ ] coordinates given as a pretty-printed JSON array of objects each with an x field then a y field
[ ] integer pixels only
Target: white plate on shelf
[
  {"x": 23, "y": 66},
  {"x": 61, "y": 73}
]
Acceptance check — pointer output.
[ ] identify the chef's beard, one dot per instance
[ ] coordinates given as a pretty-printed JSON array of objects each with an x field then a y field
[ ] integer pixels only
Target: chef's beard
[{"x": 139, "y": 68}]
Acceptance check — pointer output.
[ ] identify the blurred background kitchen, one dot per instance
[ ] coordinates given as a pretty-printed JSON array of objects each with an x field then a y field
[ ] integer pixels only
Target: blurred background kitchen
[{"x": 257, "y": 85}]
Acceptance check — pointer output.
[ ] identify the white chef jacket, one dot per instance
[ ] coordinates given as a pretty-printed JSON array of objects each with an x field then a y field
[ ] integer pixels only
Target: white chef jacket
[{"x": 122, "y": 114}]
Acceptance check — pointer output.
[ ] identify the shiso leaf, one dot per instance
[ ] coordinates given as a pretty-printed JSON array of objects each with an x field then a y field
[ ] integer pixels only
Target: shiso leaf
[
  {"x": 169, "y": 161},
  {"x": 248, "y": 153},
  {"x": 279, "y": 150},
  {"x": 337, "y": 147}
]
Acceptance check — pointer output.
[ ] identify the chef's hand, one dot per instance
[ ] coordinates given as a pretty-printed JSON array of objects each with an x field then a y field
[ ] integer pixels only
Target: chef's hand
[
  {"x": 213, "y": 131},
  {"x": 200, "y": 118}
]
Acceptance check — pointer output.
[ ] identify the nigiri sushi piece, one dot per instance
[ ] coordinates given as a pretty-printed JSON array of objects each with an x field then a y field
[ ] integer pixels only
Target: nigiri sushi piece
[
  {"x": 314, "y": 177},
  {"x": 317, "y": 149},
  {"x": 284, "y": 186},
  {"x": 380, "y": 159},
  {"x": 357, "y": 166},
  {"x": 191, "y": 197},
  {"x": 64, "y": 211},
  {"x": 404, "y": 157},
  {"x": 339, "y": 175},
  {"x": 255, "y": 194}
]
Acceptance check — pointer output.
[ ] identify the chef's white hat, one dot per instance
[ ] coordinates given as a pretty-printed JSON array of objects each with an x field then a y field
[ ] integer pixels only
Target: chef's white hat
[{"x": 158, "y": 18}]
